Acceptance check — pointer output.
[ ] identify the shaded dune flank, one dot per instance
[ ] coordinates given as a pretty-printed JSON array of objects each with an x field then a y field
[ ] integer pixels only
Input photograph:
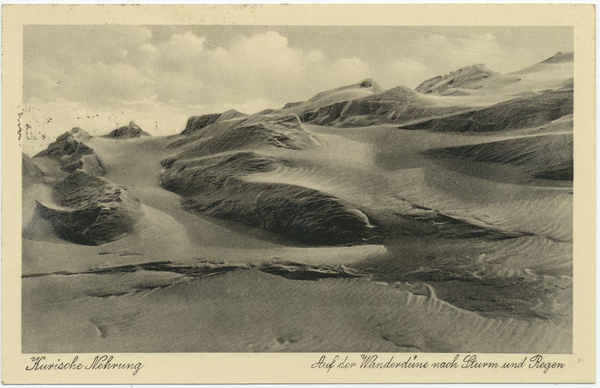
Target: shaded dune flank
[
  {"x": 213, "y": 186},
  {"x": 92, "y": 211},
  {"x": 466, "y": 77},
  {"x": 518, "y": 113},
  {"x": 541, "y": 157},
  {"x": 196, "y": 123},
  {"x": 72, "y": 154},
  {"x": 392, "y": 106},
  {"x": 30, "y": 169}
]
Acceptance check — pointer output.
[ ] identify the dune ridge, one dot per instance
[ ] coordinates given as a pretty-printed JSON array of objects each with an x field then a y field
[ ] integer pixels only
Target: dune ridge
[
  {"x": 396, "y": 105},
  {"x": 542, "y": 157},
  {"x": 196, "y": 123},
  {"x": 93, "y": 211},
  {"x": 465, "y": 78},
  {"x": 72, "y": 154},
  {"x": 213, "y": 186},
  {"x": 522, "y": 112}
]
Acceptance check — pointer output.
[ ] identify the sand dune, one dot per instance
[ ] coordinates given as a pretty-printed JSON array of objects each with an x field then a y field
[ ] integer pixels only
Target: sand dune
[
  {"x": 259, "y": 131},
  {"x": 72, "y": 154},
  {"x": 464, "y": 90},
  {"x": 465, "y": 78},
  {"x": 477, "y": 80},
  {"x": 92, "y": 211},
  {"x": 196, "y": 123},
  {"x": 548, "y": 157},
  {"x": 523, "y": 112},
  {"x": 31, "y": 173},
  {"x": 127, "y": 132},
  {"x": 364, "y": 88},
  {"x": 396, "y": 105},
  {"x": 322, "y": 226}
]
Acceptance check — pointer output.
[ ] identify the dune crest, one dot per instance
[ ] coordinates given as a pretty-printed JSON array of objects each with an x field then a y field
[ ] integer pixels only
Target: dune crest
[
  {"x": 92, "y": 211},
  {"x": 527, "y": 111},
  {"x": 127, "y": 132},
  {"x": 255, "y": 132},
  {"x": 72, "y": 154},
  {"x": 465, "y": 78}
]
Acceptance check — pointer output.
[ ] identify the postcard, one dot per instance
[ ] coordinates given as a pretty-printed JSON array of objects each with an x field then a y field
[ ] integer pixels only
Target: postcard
[{"x": 298, "y": 194}]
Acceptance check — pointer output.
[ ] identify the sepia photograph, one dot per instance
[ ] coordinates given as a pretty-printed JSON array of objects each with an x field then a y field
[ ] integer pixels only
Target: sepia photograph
[{"x": 382, "y": 191}]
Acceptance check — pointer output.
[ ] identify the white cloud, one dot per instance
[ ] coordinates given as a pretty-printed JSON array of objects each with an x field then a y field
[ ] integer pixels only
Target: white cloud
[
  {"x": 113, "y": 67},
  {"x": 262, "y": 67},
  {"x": 404, "y": 71},
  {"x": 481, "y": 46},
  {"x": 457, "y": 51},
  {"x": 181, "y": 53},
  {"x": 315, "y": 56},
  {"x": 350, "y": 69},
  {"x": 407, "y": 66}
]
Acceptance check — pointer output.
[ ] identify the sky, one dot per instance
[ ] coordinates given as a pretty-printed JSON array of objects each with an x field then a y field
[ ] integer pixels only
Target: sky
[{"x": 100, "y": 77}]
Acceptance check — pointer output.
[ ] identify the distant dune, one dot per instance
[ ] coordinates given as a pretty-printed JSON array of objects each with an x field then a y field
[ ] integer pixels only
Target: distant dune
[
  {"x": 396, "y": 105},
  {"x": 72, "y": 154},
  {"x": 465, "y": 78},
  {"x": 127, "y": 132},
  {"x": 80, "y": 134},
  {"x": 364, "y": 88},
  {"x": 560, "y": 58},
  {"x": 522, "y": 112},
  {"x": 196, "y": 123}
]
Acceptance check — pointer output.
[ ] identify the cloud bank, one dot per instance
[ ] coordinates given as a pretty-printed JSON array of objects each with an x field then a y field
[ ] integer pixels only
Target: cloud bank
[
  {"x": 107, "y": 66},
  {"x": 160, "y": 78}
]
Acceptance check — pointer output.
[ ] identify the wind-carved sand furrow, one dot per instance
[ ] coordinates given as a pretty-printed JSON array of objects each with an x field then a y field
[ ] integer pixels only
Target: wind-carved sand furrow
[
  {"x": 286, "y": 269},
  {"x": 519, "y": 215},
  {"x": 536, "y": 254},
  {"x": 377, "y": 192},
  {"x": 493, "y": 330}
]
